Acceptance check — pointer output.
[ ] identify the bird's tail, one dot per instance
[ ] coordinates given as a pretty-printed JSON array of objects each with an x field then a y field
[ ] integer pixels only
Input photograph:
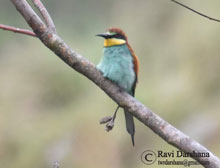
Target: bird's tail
[{"x": 130, "y": 125}]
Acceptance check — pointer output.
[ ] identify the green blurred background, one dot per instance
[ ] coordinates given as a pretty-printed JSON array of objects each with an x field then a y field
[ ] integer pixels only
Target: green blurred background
[{"x": 49, "y": 112}]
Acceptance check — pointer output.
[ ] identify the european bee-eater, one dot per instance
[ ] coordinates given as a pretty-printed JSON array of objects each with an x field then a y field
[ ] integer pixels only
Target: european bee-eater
[{"x": 120, "y": 64}]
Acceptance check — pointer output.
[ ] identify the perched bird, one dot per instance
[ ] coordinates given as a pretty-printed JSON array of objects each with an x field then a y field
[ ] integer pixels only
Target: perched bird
[{"x": 120, "y": 64}]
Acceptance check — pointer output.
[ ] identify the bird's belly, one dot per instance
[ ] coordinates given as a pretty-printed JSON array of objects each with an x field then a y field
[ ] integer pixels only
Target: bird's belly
[
  {"x": 117, "y": 65},
  {"x": 120, "y": 74}
]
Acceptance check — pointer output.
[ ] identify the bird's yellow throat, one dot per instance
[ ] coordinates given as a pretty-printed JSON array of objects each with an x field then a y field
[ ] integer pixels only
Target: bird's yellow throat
[{"x": 113, "y": 41}]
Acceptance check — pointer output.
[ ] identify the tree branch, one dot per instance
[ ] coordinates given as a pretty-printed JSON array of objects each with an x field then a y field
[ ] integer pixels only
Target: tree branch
[
  {"x": 45, "y": 14},
  {"x": 166, "y": 131},
  {"x": 17, "y": 30},
  {"x": 199, "y": 13}
]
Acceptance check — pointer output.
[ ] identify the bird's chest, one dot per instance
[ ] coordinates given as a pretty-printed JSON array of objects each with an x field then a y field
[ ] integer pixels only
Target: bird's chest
[{"x": 117, "y": 65}]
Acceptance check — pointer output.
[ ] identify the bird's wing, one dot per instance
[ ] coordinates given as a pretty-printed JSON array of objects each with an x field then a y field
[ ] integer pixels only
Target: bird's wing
[{"x": 136, "y": 67}]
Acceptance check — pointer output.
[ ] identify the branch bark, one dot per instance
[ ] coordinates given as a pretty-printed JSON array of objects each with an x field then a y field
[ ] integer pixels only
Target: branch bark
[
  {"x": 45, "y": 14},
  {"x": 17, "y": 30},
  {"x": 165, "y": 130}
]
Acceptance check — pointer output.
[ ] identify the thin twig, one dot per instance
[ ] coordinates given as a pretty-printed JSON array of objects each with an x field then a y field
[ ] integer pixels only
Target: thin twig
[
  {"x": 49, "y": 21},
  {"x": 17, "y": 30},
  {"x": 199, "y": 13}
]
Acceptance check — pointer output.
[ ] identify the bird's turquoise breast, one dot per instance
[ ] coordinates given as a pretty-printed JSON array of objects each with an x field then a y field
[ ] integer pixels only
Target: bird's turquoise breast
[{"x": 117, "y": 65}]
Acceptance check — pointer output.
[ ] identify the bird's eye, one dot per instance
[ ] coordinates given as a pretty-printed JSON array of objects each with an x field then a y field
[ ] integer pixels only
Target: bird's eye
[{"x": 119, "y": 36}]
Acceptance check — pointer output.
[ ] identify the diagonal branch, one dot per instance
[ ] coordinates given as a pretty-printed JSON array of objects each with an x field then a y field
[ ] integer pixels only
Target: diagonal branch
[
  {"x": 45, "y": 14},
  {"x": 17, "y": 30},
  {"x": 199, "y": 13},
  {"x": 165, "y": 130}
]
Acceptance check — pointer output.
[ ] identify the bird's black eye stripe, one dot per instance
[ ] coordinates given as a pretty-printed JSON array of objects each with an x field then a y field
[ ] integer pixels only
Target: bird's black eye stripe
[{"x": 118, "y": 36}]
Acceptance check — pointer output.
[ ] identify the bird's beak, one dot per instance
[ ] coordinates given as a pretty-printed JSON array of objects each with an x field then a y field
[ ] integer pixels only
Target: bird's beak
[{"x": 104, "y": 35}]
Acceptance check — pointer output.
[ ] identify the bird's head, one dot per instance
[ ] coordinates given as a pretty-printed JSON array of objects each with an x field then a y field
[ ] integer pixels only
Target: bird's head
[{"x": 113, "y": 36}]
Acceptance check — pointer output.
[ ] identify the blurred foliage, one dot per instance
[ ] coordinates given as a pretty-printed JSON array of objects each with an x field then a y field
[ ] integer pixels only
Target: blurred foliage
[{"x": 48, "y": 112}]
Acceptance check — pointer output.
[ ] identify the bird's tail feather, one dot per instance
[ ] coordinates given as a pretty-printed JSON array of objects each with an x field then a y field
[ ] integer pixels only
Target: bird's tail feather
[{"x": 130, "y": 125}]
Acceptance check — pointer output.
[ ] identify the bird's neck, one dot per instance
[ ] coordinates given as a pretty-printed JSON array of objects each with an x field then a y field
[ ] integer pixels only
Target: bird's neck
[{"x": 113, "y": 42}]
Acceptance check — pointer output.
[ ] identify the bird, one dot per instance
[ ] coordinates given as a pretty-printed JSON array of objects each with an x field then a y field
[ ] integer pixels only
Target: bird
[{"x": 120, "y": 65}]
